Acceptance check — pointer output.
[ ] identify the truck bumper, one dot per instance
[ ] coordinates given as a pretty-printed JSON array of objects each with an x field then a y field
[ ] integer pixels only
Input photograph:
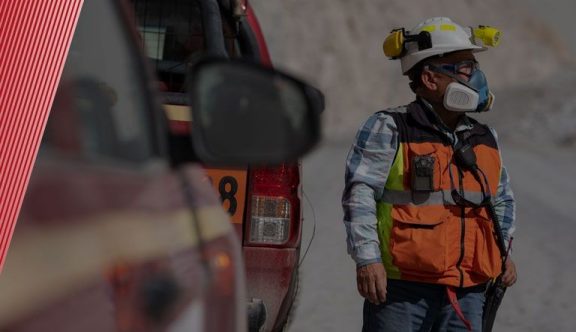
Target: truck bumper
[{"x": 271, "y": 277}]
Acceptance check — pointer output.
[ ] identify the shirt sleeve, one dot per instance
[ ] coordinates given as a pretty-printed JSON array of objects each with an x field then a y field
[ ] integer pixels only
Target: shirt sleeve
[
  {"x": 367, "y": 167},
  {"x": 504, "y": 203},
  {"x": 505, "y": 206}
]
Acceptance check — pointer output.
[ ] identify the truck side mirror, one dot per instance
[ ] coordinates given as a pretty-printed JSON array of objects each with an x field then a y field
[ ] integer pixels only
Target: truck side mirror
[{"x": 244, "y": 113}]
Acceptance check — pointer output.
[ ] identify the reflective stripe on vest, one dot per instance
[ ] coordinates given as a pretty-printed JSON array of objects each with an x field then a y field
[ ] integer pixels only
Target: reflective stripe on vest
[{"x": 443, "y": 197}]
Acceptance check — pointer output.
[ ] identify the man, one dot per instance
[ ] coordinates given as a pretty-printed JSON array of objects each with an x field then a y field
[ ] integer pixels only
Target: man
[{"x": 418, "y": 182}]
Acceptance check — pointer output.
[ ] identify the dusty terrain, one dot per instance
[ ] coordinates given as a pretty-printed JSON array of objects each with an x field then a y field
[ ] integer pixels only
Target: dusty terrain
[{"x": 337, "y": 44}]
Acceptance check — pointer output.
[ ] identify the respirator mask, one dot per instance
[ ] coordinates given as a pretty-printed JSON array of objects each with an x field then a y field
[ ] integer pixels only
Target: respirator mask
[{"x": 465, "y": 96}]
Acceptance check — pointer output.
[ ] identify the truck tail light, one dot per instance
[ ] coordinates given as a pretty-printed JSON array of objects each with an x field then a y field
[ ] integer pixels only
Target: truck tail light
[
  {"x": 269, "y": 220},
  {"x": 273, "y": 215}
]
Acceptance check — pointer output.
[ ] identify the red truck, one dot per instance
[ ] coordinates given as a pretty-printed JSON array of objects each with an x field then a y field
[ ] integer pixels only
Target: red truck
[
  {"x": 120, "y": 229},
  {"x": 264, "y": 202}
]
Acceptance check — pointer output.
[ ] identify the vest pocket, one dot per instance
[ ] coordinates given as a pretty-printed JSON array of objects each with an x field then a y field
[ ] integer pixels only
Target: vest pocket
[
  {"x": 418, "y": 240},
  {"x": 487, "y": 261}
]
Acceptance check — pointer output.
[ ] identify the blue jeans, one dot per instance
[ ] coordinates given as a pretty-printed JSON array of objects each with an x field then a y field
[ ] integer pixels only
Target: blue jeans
[{"x": 419, "y": 307}]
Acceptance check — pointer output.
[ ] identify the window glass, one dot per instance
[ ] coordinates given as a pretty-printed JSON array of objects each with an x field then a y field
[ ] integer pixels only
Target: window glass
[
  {"x": 172, "y": 35},
  {"x": 102, "y": 109}
]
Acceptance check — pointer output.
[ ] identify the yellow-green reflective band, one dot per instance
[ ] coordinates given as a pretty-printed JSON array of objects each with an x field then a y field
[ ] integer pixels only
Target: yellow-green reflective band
[
  {"x": 403, "y": 197},
  {"x": 447, "y": 27},
  {"x": 429, "y": 28},
  {"x": 396, "y": 175},
  {"x": 384, "y": 216}
]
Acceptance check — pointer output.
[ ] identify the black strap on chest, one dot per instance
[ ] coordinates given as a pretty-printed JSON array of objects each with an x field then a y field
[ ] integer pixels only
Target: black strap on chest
[{"x": 466, "y": 158}]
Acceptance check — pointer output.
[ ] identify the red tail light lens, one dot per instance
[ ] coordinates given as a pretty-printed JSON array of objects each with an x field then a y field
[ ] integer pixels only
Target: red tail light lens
[
  {"x": 273, "y": 217},
  {"x": 273, "y": 181}
]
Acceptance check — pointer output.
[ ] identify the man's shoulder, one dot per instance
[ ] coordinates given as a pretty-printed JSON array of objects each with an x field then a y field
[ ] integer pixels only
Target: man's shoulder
[
  {"x": 482, "y": 127},
  {"x": 393, "y": 110},
  {"x": 382, "y": 122},
  {"x": 388, "y": 115}
]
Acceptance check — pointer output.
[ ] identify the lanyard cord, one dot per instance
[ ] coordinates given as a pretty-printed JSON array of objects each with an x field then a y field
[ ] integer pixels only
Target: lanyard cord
[
  {"x": 482, "y": 179},
  {"x": 492, "y": 214},
  {"x": 486, "y": 196}
]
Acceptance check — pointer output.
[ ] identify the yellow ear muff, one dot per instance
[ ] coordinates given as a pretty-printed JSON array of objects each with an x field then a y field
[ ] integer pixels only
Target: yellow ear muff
[
  {"x": 394, "y": 44},
  {"x": 489, "y": 36}
]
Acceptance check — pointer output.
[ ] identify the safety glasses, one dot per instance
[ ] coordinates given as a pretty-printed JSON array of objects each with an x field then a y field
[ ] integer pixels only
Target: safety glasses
[{"x": 466, "y": 67}]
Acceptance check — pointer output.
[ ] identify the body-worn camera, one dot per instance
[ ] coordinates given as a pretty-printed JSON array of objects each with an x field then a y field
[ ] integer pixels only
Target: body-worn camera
[{"x": 423, "y": 173}]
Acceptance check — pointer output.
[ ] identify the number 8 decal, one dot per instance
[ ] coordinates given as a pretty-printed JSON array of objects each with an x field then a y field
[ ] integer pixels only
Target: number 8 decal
[{"x": 229, "y": 195}]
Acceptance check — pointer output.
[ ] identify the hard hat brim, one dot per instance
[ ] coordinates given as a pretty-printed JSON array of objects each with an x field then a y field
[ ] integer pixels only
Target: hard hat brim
[{"x": 407, "y": 63}]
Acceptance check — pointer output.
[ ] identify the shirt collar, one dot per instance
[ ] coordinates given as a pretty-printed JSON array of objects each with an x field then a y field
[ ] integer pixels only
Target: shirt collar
[{"x": 435, "y": 121}]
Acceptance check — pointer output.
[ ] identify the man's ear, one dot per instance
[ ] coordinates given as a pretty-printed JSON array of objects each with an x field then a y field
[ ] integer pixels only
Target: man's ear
[{"x": 429, "y": 79}]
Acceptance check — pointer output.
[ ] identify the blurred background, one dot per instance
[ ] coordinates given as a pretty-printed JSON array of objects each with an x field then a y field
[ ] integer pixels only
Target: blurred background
[{"x": 337, "y": 45}]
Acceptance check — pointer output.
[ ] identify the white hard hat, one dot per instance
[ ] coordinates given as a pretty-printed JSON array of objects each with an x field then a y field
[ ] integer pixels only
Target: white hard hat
[{"x": 445, "y": 36}]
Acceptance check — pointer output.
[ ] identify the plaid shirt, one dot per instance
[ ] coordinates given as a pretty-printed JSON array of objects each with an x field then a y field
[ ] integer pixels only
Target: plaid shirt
[{"x": 367, "y": 167}]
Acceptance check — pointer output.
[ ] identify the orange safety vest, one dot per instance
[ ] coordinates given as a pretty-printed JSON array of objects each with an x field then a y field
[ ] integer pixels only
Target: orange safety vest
[{"x": 427, "y": 236}]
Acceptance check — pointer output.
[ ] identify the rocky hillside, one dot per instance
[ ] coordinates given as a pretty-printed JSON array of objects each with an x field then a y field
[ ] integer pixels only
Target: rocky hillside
[{"x": 337, "y": 45}]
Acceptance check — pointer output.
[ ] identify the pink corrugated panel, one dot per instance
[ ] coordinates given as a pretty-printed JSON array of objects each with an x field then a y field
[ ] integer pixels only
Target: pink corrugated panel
[{"x": 35, "y": 36}]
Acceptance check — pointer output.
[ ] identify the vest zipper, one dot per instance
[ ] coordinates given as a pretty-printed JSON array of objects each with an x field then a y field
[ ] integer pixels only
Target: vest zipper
[
  {"x": 462, "y": 232},
  {"x": 462, "y": 214}
]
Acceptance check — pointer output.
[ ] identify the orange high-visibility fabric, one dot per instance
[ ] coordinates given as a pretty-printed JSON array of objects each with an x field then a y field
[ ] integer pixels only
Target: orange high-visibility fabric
[{"x": 443, "y": 243}]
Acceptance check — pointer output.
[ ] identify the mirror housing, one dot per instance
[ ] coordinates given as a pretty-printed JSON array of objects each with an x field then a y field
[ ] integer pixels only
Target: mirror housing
[{"x": 247, "y": 114}]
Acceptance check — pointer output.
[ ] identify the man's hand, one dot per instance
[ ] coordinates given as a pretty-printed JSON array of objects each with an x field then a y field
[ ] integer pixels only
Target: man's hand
[
  {"x": 509, "y": 277},
  {"x": 371, "y": 281}
]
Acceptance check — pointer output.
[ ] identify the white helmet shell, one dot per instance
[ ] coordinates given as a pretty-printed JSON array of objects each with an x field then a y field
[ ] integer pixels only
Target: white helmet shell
[{"x": 446, "y": 36}]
